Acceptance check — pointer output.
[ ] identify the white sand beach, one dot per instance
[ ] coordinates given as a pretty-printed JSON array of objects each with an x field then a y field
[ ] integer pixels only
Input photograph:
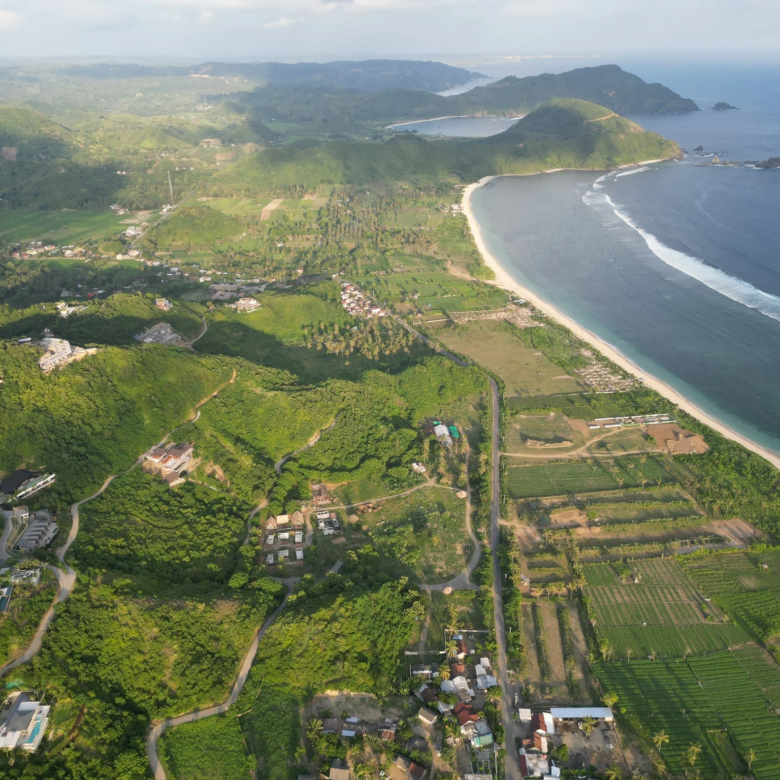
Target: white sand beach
[{"x": 504, "y": 280}]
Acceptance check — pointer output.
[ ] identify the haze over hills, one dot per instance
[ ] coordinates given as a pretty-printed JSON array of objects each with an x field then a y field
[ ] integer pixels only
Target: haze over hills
[{"x": 364, "y": 76}]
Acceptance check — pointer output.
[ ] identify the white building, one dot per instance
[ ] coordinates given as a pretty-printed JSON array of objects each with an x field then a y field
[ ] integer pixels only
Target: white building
[{"x": 22, "y": 723}]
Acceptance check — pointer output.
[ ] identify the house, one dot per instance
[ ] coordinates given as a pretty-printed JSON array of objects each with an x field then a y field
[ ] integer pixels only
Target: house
[
  {"x": 424, "y": 670},
  {"x": 533, "y": 764},
  {"x": 462, "y": 688},
  {"x": 412, "y": 769},
  {"x": 425, "y": 694},
  {"x": 339, "y": 770},
  {"x": 269, "y": 559},
  {"x": 161, "y": 333},
  {"x": 31, "y": 486},
  {"x": 282, "y": 520},
  {"x": 538, "y": 741},
  {"x": 485, "y": 681},
  {"x": 464, "y": 713},
  {"x": 284, "y": 555},
  {"x": 39, "y": 533},
  {"x": 20, "y": 514},
  {"x": 298, "y": 520},
  {"x": 299, "y": 555},
  {"x": 163, "y": 304},
  {"x": 299, "y": 537},
  {"x": 418, "y": 468},
  {"x": 284, "y": 536},
  {"x": 270, "y": 540},
  {"x": 543, "y": 721},
  {"x": 319, "y": 495},
  {"x": 59, "y": 353},
  {"x": 524, "y": 715},
  {"x": 328, "y": 528},
  {"x": 443, "y": 708},
  {"x": 177, "y": 457},
  {"x": 23, "y": 723},
  {"x": 426, "y": 716},
  {"x": 247, "y": 305},
  {"x": 173, "y": 478},
  {"x": 442, "y": 433},
  {"x": 387, "y": 729}
]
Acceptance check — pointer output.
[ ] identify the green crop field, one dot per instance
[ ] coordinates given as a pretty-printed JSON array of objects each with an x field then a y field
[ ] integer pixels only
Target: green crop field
[
  {"x": 743, "y": 588},
  {"x": 60, "y": 227},
  {"x": 724, "y": 697},
  {"x": 663, "y": 615},
  {"x": 585, "y": 476}
]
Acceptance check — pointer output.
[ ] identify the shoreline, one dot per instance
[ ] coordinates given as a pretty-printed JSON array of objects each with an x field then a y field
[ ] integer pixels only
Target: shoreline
[
  {"x": 505, "y": 281},
  {"x": 393, "y": 125}
]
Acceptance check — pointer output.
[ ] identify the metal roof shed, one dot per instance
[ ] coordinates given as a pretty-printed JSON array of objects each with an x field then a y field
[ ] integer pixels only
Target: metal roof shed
[{"x": 580, "y": 713}]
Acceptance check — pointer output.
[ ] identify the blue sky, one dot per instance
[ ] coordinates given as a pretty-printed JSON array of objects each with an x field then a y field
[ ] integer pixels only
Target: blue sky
[{"x": 317, "y": 29}]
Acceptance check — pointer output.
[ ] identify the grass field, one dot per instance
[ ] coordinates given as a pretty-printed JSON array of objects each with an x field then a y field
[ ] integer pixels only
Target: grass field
[
  {"x": 525, "y": 371},
  {"x": 60, "y": 227},
  {"x": 663, "y": 615},
  {"x": 743, "y": 588},
  {"x": 585, "y": 476},
  {"x": 460, "y": 609},
  {"x": 422, "y": 535},
  {"x": 210, "y": 749},
  {"x": 721, "y": 702},
  {"x": 548, "y": 429},
  {"x": 436, "y": 291}
]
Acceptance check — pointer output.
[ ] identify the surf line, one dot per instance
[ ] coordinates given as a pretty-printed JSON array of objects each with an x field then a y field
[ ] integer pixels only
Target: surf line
[{"x": 736, "y": 289}]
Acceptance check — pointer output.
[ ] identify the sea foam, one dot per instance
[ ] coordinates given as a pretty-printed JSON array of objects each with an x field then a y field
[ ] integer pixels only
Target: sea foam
[{"x": 736, "y": 289}]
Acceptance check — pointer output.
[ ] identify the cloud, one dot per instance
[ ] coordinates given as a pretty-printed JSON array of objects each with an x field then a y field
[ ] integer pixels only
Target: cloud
[
  {"x": 206, "y": 17},
  {"x": 282, "y": 21},
  {"x": 8, "y": 19}
]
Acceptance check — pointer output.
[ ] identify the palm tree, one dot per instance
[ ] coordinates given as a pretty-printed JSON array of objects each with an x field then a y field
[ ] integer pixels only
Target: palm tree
[
  {"x": 588, "y": 725},
  {"x": 659, "y": 740},
  {"x": 610, "y": 699},
  {"x": 750, "y": 757},
  {"x": 313, "y": 729},
  {"x": 493, "y": 695},
  {"x": 444, "y": 672},
  {"x": 692, "y": 754},
  {"x": 451, "y": 648},
  {"x": 659, "y": 766},
  {"x": 614, "y": 773}
]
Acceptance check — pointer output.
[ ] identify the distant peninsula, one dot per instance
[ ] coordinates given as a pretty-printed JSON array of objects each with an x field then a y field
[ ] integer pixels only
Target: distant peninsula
[
  {"x": 721, "y": 106},
  {"x": 772, "y": 162}
]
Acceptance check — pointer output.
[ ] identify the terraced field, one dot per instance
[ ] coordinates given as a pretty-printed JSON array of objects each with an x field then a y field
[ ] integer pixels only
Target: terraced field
[
  {"x": 727, "y": 697},
  {"x": 663, "y": 614}
]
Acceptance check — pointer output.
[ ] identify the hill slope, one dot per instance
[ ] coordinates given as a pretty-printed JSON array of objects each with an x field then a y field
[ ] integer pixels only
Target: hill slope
[
  {"x": 28, "y": 134},
  {"x": 561, "y": 134},
  {"x": 606, "y": 85}
]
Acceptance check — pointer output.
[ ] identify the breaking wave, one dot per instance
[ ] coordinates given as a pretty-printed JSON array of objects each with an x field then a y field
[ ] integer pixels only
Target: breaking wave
[{"x": 730, "y": 286}]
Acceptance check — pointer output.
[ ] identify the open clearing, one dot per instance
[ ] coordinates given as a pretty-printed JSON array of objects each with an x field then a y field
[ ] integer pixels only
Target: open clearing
[{"x": 525, "y": 371}]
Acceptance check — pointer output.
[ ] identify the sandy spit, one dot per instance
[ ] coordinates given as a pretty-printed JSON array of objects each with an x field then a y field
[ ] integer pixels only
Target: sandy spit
[{"x": 504, "y": 280}]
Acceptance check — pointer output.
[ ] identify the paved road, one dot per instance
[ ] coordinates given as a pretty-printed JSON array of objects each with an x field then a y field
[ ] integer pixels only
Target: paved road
[
  {"x": 66, "y": 579},
  {"x": 512, "y": 761},
  {"x": 159, "y": 727},
  {"x": 9, "y": 524}
]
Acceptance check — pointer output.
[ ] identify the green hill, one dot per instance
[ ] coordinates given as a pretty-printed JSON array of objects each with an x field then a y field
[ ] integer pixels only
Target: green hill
[
  {"x": 26, "y": 134},
  {"x": 606, "y": 85},
  {"x": 192, "y": 226},
  {"x": 562, "y": 134}
]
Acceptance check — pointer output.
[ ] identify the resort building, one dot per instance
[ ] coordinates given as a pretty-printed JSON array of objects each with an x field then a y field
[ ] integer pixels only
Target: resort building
[
  {"x": 59, "y": 353},
  {"x": 22, "y": 723}
]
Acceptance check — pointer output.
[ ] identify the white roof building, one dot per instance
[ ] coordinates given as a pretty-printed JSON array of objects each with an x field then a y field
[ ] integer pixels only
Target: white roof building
[
  {"x": 580, "y": 713},
  {"x": 22, "y": 723}
]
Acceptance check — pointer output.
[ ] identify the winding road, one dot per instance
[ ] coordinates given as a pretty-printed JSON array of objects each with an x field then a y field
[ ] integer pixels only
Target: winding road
[{"x": 157, "y": 728}]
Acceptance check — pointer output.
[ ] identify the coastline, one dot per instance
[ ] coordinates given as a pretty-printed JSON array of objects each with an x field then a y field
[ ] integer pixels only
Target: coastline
[
  {"x": 505, "y": 281},
  {"x": 454, "y": 116}
]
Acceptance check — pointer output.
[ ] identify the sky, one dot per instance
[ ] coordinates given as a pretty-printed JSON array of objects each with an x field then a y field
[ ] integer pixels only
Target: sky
[{"x": 453, "y": 30}]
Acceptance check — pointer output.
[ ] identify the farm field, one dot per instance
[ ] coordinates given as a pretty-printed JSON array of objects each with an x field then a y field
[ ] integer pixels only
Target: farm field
[
  {"x": 584, "y": 476},
  {"x": 436, "y": 290},
  {"x": 60, "y": 227},
  {"x": 422, "y": 535},
  {"x": 743, "y": 588},
  {"x": 525, "y": 371},
  {"x": 663, "y": 615},
  {"x": 711, "y": 701},
  {"x": 549, "y": 429}
]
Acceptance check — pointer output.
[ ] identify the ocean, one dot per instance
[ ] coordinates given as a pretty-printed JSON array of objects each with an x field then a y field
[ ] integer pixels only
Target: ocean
[{"x": 675, "y": 264}]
